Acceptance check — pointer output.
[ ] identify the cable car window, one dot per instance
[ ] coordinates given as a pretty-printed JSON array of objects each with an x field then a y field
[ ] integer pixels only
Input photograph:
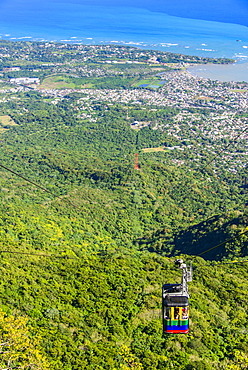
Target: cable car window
[
  {"x": 176, "y": 313},
  {"x": 185, "y": 313}
]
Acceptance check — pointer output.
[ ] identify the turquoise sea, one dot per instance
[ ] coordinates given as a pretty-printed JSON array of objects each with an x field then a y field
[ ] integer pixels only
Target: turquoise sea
[{"x": 146, "y": 24}]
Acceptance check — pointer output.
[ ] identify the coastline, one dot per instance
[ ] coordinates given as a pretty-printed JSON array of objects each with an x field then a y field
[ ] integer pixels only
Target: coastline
[
  {"x": 128, "y": 26},
  {"x": 236, "y": 72}
]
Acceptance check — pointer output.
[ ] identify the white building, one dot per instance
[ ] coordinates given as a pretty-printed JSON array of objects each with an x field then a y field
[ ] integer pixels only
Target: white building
[{"x": 25, "y": 81}]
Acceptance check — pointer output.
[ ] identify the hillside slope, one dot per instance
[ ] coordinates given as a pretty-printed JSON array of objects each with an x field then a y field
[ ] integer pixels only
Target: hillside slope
[{"x": 84, "y": 261}]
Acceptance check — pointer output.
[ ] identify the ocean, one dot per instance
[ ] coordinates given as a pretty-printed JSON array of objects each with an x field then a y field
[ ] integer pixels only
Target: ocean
[
  {"x": 161, "y": 25},
  {"x": 230, "y": 72}
]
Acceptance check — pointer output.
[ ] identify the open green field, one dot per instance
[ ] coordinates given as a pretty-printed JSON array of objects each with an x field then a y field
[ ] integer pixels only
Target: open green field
[
  {"x": 69, "y": 82},
  {"x": 59, "y": 82},
  {"x": 7, "y": 121},
  {"x": 241, "y": 91},
  {"x": 153, "y": 150}
]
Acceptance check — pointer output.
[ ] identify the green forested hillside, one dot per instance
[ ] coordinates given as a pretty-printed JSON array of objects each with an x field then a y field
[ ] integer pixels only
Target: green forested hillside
[
  {"x": 91, "y": 164},
  {"x": 83, "y": 263},
  {"x": 89, "y": 310}
]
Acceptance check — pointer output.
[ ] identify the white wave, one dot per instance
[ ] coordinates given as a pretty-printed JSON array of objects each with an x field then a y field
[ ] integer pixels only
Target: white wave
[
  {"x": 205, "y": 49},
  {"x": 169, "y": 44}
]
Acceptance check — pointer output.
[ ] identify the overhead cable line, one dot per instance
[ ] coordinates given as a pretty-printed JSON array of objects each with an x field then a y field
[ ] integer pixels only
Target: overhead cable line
[
  {"x": 227, "y": 146},
  {"x": 31, "y": 182},
  {"x": 235, "y": 237},
  {"x": 230, "y": 263},
  {"x": 37, "y": 185},
  {"x": 38, "y": 255},
  {"x": 68, "y": 201},
  {"x": 219, "y": 245}
]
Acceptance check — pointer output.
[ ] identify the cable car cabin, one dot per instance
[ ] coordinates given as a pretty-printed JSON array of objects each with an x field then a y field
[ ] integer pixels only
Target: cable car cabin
[
  {"x": 175, "y": 304},
  {"x": 175, "y": 309}
]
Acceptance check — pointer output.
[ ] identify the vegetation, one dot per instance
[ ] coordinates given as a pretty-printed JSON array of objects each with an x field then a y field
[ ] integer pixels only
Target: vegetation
[
  {"x": 82, "y": 263},
  {"x": 59, "y": 82}
]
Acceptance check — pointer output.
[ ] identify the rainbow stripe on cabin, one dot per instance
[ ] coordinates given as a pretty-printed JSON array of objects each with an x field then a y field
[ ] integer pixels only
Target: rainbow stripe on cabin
[{"x": 176, "y": 320}]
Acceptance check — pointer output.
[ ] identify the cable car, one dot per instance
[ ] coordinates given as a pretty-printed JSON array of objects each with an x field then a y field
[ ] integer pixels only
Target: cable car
[{"x": 175, "y": 303}]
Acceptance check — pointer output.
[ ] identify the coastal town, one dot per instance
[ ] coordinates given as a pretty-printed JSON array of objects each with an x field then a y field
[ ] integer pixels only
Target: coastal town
[{"x": 208, "y": 114}]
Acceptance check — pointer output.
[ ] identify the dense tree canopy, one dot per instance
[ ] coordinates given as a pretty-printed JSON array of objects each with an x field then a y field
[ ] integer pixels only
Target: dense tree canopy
[{"x": 82, "y": 264}]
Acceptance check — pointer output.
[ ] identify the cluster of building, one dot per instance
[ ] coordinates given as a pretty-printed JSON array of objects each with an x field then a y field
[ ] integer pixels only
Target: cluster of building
[
  {"x": 207, "y": 119},
  {"x": 25, "y": 81},
  {"x": 208, "y": 109},
  {"x": 185, "y": 91},
  {"x": 181, "y": 90}
]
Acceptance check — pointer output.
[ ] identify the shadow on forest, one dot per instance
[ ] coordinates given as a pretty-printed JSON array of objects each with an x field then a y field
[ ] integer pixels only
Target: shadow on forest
[{"x": 198, "y": 239}]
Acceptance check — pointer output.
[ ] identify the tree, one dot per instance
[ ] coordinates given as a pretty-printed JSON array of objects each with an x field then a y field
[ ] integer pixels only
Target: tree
[{"x": 19, "y": 350}]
